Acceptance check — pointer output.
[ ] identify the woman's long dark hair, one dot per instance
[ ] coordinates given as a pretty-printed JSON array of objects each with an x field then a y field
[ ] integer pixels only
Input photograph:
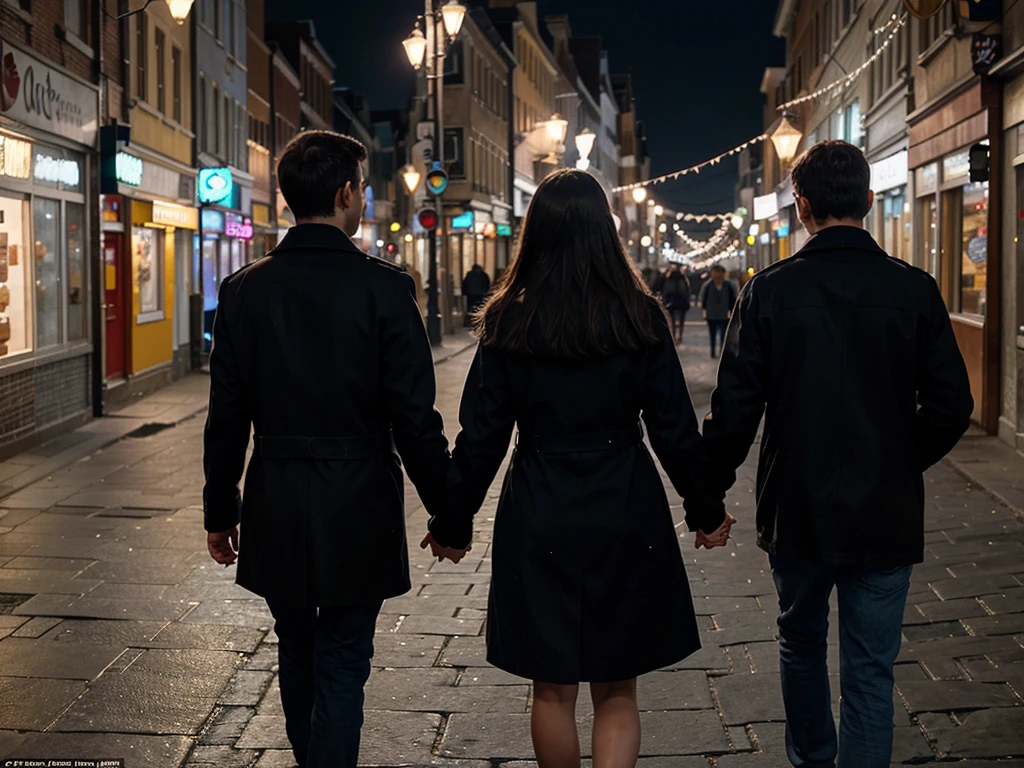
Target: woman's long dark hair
[{"x": 572, "y": 291}]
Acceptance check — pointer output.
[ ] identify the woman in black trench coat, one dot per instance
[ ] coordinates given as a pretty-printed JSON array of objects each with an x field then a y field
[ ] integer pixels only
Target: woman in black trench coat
[{"x": 588, "y": 581}]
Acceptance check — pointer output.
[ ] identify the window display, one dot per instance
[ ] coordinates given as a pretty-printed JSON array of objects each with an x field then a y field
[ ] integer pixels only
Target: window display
[
  {"x": 15, "y": 315},
  {"x": 974, "y": 253},
  {"x": 77, "y": 318},
  {"x": 147, "y": 250},
  {"x": 46, "y": 224}
]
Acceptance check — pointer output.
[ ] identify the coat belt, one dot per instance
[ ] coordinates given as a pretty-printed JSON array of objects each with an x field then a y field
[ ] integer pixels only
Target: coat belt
[
  {"x": 589, "y": 443},
  {"x": 326, "y": 448}
]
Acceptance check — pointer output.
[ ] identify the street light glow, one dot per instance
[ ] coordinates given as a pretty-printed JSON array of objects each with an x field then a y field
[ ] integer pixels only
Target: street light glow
[
  {"x": 416, "y": 48},
  {"x": 639, "y": 195},
  {"x": 179, "y": 10},
  {"x": 737, "y": 221},
  {"x": 556, "y": 128},
  {"x": 585, "y": 143},
  {"x": 645, "y": 241},
  {"x": 411, "y": 177},
  {"x": 658, "y": 210},
  {"x": 786, "y": 139},
  {"x": 453, "y": 13},
  {"x": 663, "y": 227}
]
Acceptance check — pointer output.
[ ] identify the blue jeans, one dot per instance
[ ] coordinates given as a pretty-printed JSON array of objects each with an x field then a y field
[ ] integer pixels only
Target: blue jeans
[
  {"x": 717, "y": 330},
  {"x": 871, "y": 604},
  {"x": 324, "y": 660}
]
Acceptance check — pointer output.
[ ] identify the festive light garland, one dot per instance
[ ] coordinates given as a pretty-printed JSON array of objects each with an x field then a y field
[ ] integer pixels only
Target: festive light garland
[
  {"x": 702, "y": 217},
  {"x": 895, "y": 22},
  {"x": 848, "y": 79},
  {"x": 711, "y": 242}
]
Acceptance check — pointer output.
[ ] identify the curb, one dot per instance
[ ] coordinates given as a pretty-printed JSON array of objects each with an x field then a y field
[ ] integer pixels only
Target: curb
[
  {"x": 456, "y": 353},
  {"x": 965, "y": 473}
]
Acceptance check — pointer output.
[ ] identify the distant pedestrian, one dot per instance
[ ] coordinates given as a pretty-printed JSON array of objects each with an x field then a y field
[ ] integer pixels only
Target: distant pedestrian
[
  {"x": 588, "y": 581},
  {"x": 321, "y": 349},
  {"x": 421, "y": 292},
  {"x": 717, "y": 299},
  {"x": 675, "y": 295},
  {"x": 852, "y": 354},
  {"x": 475, "y": 287}
]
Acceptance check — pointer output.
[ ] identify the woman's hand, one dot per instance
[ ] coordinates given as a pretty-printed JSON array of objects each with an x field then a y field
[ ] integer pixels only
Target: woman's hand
[
  {"x": 718, "y": 538},
  {"x": 455, "y": 555}
]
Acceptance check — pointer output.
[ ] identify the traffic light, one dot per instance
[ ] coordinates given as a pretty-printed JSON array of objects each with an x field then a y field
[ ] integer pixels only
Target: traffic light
[{"x": 391, "y": 249}]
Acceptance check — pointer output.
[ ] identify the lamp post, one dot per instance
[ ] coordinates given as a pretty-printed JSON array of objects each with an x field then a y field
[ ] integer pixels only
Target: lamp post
[
  {"x": 179, "y": 10},
  {"x": 451, "y": 16},
  {"x": 639, "y": 196},
  {"x": 584, "y": 146}
]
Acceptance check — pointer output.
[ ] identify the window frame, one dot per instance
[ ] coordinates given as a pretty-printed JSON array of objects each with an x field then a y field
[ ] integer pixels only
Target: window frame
[
  {"x": 142, "y": 57},
  {"x": 160, "y": 50}
]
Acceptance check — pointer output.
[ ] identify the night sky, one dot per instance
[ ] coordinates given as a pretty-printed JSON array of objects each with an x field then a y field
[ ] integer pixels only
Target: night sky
[{"x": 696, "y": 69}]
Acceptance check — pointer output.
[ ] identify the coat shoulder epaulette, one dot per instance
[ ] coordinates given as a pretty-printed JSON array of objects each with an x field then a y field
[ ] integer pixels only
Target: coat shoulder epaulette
[{"x": 376, "y": 261}]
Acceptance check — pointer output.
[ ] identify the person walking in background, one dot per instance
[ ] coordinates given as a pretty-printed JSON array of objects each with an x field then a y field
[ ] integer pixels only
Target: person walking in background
[
  {"x": 322, "y": 349},
  {"x": 421, "y": 292},
  {"x": 852, "y": 355},
  {"x": 675, "y": 295},
  {"x": 717, "y": 299},
  {"x": 475, "y": 287},
  {"x": 588, "y": 581}
]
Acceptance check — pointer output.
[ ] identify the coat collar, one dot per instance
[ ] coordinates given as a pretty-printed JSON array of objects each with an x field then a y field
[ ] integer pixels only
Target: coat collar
[
  {"x": 322, "y": 237},
  {"x": 840, "y": 239}
]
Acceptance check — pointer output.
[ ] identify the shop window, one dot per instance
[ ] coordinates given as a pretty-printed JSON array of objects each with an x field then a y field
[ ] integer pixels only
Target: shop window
[
  {"x": 176, "y": 84},
  {"x": 15, "y": 279},
  {"x": 928, "y": 244},
  {"x": 141, "y": 54},
  {"x": 453, "y": 153},
  {"x": 974, "y": 249},
  {"x": 893, "y": 212},
  {"x": 46, "y": 253},
  {"x": 148, "y": 263},
  {"x": 854, "y": 127},
  {"x": 74, "y": 221}
]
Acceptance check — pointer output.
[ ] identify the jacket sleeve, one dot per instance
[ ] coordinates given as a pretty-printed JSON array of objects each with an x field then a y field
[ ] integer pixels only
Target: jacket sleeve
[
  {"x": 739, "y": 399},
  {"x": 487, "y": 420},
  {"x": 228, "y": 425},
  {"x": 703, "y": 295},
  {"x": 944, "y": 396},
  {"x": 409, "y": 390},
  {"x": 667, "y": 412}
]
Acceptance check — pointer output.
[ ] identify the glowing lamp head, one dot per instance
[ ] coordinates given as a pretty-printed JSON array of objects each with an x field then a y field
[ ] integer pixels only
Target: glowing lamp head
[
  {"x": 639, "y": 195},
  {"x": 416, "y": 48},
  {"x": 411, "y": 177},
  {"x": 556, "y": 128},
  {"x": 179, "y": 10},
  {"x": 786, "y": 140},
  {"x": 585, "y": 143},
  {"x": 645, "y": 241},
  {"x": 453, "y": 13},
  {"x": 395, "y": 227},
  {"x": 659, "y": 211},
  {"x": 736, "y": 221},
  {"x": 409, "y": 238},
  {"x": 663, "y": 228}
]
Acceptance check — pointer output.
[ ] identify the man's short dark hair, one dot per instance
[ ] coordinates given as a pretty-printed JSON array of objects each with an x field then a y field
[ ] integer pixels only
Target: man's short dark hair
[
  {"x": 717, "y": 268},
  {"x": 313, "y": 167},
  {"x": 834, "y": 177}
]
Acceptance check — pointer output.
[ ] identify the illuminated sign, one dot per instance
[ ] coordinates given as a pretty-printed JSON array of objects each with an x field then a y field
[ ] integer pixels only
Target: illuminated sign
[
  {"x": 175, "y": 215},
  {"x": 504, "y": 230},
  {"x": 129, "y": 169},
  {"x": 465, "y": 221},
  {"x": 213, "y": 221},
  {"x": 57, "y": 170},
  {"x": 215, "y": 185},
  {"x": 15, "y": 158},
  {"x": 236, "y": 226}
]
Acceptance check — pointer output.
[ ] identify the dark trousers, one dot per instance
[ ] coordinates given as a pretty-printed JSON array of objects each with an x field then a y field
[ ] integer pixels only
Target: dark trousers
[
  {"x": 324, "y": 658},
  {"x": 678, "y": 316},
  {"x": 717, "y": 330},
  {"x": 871, "y": 604}
]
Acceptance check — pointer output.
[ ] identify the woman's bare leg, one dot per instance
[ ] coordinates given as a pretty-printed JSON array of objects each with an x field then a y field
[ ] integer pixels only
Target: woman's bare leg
[
  {"x": 616, "y": 724},
  {"x": 553, "y": 725}
]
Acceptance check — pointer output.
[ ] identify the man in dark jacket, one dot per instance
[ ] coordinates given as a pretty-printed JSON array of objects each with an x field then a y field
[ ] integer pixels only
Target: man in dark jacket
[
  {"x": 475, "y": 287},
  {"x": 853, "y": 354},
  {"x": 321, "y": 349},
  {"x": 717, "y": 299}
]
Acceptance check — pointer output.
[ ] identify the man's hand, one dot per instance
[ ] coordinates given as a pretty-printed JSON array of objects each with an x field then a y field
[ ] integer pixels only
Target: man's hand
[
  {"x": 455, "y": 555},
  {"x": 718, "y": 538},
  {"x": 223, "y": 546}
]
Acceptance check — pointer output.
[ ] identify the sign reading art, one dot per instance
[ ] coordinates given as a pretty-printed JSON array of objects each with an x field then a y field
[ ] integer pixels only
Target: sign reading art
[{"x": 38, "y": 95}]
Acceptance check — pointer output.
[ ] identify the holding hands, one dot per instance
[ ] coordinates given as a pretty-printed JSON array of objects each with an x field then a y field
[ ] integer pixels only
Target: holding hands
[
  {"x": 719, "y": 538},
  {"x": 442, "y": 553}
]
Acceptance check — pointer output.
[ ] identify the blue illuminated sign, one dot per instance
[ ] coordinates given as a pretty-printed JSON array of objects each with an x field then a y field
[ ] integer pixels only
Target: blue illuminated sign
[
  {"x": 465, "y": 221},
  {"x": 215, "y": 185},
  {"x": 212, "y": 221}
]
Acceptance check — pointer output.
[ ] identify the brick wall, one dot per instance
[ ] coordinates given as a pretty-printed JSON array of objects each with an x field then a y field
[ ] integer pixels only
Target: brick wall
[
  {"x": 38, "y": 30},
  {"x": 35, "y": 399}
]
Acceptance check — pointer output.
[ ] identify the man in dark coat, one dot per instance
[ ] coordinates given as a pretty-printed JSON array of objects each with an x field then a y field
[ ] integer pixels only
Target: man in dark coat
[
  {"x": 853, "y": 355},
  {"x": 475, "y": 287},
  {"x": 322, "y": 350}
]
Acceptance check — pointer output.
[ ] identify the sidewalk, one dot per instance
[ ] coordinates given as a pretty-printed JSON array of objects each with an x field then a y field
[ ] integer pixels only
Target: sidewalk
[{"x": 119, "y": 637}]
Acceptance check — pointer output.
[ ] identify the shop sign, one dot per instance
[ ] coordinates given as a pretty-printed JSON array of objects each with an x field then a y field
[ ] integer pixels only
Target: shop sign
[
  {"x": 261, "y": 215},
  {"x": 986, "y": 50},
  {"x": 175, "y": 216},
  {"x": 780, "y": 226},
  {"x": 129, "y": 169},
  {"x": 213, "y": 221},
  {"x": 956, "y": 166},
  {"x": 504, "y": 230},
  {"x": 56, "y": 170},
  {"x": 890, "y": 173},
  {"x": 926, "y": 180},
  {"x": 215, "y": 185},
  {"x": 463, "y": 221},
  {"x": 766, "y": 206},
  {"x": 236, "y": 226},
  {"x": 40, "y": 96},
  {"x": 15, "y": 158}
]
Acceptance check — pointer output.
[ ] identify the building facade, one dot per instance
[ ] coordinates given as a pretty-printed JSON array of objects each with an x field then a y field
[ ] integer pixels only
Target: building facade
[{"x": 259, "y": 141}]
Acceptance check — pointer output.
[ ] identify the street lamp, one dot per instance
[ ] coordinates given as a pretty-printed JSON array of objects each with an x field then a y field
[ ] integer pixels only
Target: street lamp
[
  {"x": 411, "y": 177},
  {"x": 416, "y": 48},
  {"x": 736, "y": 221},
  {"x": 786, "y": 139},
  {"x": 453, "y": 13},
  {"x": 646, "y": 241},
  {"x": 639, "y": 195},
  {"x": 179, "y": 10},
  {"x": 659, "y": 211},
  {"x": 585, "y": 145},
  {"x": 556, "y": 128}
]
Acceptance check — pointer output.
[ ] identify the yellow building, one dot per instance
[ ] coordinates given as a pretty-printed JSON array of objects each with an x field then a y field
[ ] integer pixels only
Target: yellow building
[{"x": 149, "y": 225}]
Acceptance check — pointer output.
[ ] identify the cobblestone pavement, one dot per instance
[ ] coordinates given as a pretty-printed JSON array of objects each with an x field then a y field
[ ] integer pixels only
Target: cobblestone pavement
[{"x": 121, "y": 638}]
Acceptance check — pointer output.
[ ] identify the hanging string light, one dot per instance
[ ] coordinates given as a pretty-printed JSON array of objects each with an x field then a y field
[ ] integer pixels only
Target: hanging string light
[
  {"x": 711, "y": 242},
  {"x": 693, "y": 168}
]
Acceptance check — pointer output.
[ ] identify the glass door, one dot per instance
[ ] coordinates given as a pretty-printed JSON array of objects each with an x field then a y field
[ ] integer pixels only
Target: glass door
[{"x": 16, "y": 326}]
